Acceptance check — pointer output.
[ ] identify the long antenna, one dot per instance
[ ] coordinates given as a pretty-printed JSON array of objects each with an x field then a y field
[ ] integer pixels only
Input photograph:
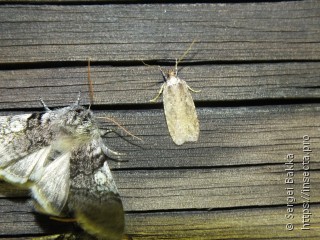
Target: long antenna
[
  {"x": 118, "y": 124},
  {"x": 186, "y": 52}
]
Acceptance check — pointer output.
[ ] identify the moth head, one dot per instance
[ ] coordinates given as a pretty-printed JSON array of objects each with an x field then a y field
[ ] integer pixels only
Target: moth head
[
  {"x": 171, "y": 73},
  {"x": 77, "y": 121}
]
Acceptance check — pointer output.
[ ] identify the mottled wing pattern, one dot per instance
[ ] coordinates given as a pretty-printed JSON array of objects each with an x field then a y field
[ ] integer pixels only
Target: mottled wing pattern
[
  {"x": 24, "y": 147},
  {"x": 180, "y": 113},
  {"x": 52, "y": 189},
  {"x": 27, "y": 159},
  {"x": 94, "y": 196},
  {"x": 61, "y": 156}
]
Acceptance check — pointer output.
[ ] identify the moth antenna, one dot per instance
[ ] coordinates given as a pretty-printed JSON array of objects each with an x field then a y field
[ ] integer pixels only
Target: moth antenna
[
  {"x": 186, "y": 52},
  {"x": 90, "y": 83},
  {"x": 44, "y": 105},
  {"x": 163, "y": 74},
  {"x": 125, "y": 130},
  {"x": 148, "y": 65}
]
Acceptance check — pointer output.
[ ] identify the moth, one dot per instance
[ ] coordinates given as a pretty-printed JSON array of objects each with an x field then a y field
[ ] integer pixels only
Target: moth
[
  {"x": 61, "y": 156},
  {"x": 179, "y": 108}
]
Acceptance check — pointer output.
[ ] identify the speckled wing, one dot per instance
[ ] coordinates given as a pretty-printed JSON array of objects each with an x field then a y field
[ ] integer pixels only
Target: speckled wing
[
  {"x": 180, "y": 113},
  {"x": 16, "y": 143},
  {"x": 61, "y": 157},
  {"x": 27, "y": 158},
  {"x": 94, "y": 197}
]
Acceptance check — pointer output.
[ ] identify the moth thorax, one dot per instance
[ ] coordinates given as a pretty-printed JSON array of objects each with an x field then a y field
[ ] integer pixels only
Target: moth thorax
[{"x": 173, "y": 80}]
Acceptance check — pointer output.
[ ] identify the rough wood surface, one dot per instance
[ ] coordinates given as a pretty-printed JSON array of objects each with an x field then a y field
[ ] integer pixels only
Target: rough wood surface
[
  {"x": 245, "y": 223},
  {"x": 265, "y": 31},
  {"x": 257, "y": 66},
  {"x": 21, "y": 88},
  {"x": 242, "y": 169},
  {"x": 235, "y": 136}
]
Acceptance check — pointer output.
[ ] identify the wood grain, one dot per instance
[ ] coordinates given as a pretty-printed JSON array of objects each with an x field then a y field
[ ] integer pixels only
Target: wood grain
[
  {"x": 257, "y": 66},
  {"x": 138, "y": 84},
  {"x": 159, "y": 190},
  {"x": 252, "y": 223},
  {"x": 265, "y": 31},
  {"x": 235, "y": 136},
  {"x": 239, "y": 163}
]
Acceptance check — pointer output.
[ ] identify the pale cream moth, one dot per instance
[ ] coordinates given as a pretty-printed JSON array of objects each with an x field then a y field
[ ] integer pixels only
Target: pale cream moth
[{"x": 179, "y": 108}]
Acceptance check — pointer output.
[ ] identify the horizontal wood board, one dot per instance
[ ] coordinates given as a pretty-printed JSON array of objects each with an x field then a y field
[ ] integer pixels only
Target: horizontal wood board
[
  {"x": 257, "y": 66},
  {"x": 254, "y": 223},
  {"x": 236, "y": 136},
  {"x": 219, "y": 84},
  {"x": 264, "y": 31}
]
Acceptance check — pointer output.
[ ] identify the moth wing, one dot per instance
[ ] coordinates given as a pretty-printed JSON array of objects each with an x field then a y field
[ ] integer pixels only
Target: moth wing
[
  {"x": 94, "y": 197},
  {"x": 22, "y": 160},
  {"x": 180, "y": 112},
  {"x": 29, "y": 168},
  {"x": 12, "y": 134},
  {"x": 52, "y": 190}
]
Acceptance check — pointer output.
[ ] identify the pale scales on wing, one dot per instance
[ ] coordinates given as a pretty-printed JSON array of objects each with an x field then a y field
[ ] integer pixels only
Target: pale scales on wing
[
  {"x": 61, "y": 156},
  {"x": 179, "y": 108}
]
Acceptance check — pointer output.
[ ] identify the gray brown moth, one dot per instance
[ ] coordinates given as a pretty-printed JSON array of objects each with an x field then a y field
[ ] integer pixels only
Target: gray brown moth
[{"x": 61, "y": 156}]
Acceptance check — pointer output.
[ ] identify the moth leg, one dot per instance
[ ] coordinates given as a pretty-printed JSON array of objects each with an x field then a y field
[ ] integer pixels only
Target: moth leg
[
  {"x": 105, "y": 132},
  {"x": 44, "y": 105},
  {"x": 112, "y": 154},
  {"x": 159, "y": 93},
  {"x": 192, "y": 90}
]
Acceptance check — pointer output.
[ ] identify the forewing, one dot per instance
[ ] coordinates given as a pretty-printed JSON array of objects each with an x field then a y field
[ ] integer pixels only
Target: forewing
[
  {"x": 94, "y": 197},
  {"x": 52, "y": 190},
  {"x": 180, "y": 112},
  {"x": 23, "y": 147},
  {"x": 12, "y": 136},
  {"x": 29, "y": 168}
]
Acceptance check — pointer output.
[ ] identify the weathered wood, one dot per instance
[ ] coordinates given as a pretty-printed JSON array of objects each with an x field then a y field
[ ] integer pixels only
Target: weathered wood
[
  {"x": 246, "y": 223},
  {"x": 257, "y": 136},
  {"x": 228, "y": 137},
  {"x": 255, "y": 223},
  {"x": 250, "y": 60},
  {"x": 284, "y": 30},
  {"x": 137, "y": 85},
  {"x": 150, "y": 190}
]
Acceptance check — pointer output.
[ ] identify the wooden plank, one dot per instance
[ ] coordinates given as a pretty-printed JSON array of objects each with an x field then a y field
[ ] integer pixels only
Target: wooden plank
[
  {"x": 265, "y": 31},
  {"x": 255, "y": 223},
  {"x": 230, "y": 184},
  {"x": 21, "y": 88},
  {"x": 163, "y": 190},
  {"x": 229, "y": 136},
  {"x": 246, "y": 223},
  {"x": 19, "y": 218},
  {"x": 258, "y": 138}
]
